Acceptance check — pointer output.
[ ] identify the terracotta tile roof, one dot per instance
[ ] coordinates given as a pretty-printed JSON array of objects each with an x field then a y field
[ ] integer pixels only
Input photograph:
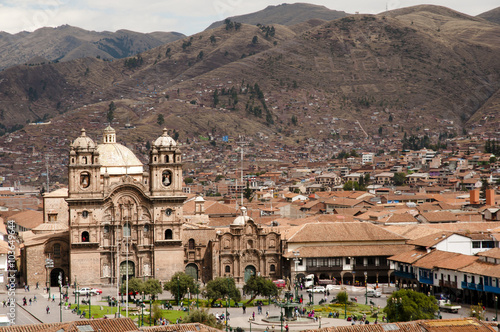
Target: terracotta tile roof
[
  {"x": 445, "y": 260},
  {"x": 348, "y": 232},
  {"x": 413, "y": 231},
  {"x": 410, "y": 256},
  {"x": 441, "y": 216},
  {"x": 431, "y": 240},
  {"x": 482, "y": 268},
  {"x": 28, "y": 219},
  {"x": 435, "y": 325},
  {"x": 468, "y": 227},
  {"x": 492, "y": 253},
  {"x": 350, "y": 251},
  {"x": 401, "y": 218},
  {"x": 103, "y": 325}
]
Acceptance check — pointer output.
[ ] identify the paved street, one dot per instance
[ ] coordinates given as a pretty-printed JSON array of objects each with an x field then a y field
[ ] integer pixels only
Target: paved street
[{"x": 36, "y": 312}]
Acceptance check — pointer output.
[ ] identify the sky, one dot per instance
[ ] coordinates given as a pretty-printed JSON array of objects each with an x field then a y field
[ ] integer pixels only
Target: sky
[{"x": 185, "y": 16}]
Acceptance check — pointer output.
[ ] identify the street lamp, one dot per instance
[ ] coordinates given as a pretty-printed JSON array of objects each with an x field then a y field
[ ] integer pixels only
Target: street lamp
[
  {"x": 496, "y": 308},
  {"x": 366, "y": 288},
  {"x": 296, "y": 261},
  {"x": 178, "y": 291},
  {"x": 142, "y": 308},
  {"x": 189, "y": 300},
  {"x": 60, "y": 296}
]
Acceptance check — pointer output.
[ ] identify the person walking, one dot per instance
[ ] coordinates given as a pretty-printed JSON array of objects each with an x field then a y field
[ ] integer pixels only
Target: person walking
[{"x": 48, "y": 310}]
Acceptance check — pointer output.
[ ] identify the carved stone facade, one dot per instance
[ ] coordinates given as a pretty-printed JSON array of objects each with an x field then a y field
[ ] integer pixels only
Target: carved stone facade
[{"x": 246, "y": 249}]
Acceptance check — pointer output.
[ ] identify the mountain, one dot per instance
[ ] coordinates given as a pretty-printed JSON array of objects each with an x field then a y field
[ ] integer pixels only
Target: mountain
[
  {"x": 491, "y": 15},
  {"x": 66, "y": 43},
  {"x": 285, "y": 14},
  {"x": 423, "y": 70}
]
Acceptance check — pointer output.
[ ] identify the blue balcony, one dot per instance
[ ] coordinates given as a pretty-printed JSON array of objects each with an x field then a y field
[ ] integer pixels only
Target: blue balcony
[
  {"x": 428, "y": 281},
  {"x": 406, "y": 275},
  {"x": 470, "y": 285},
  {"x": 480, "y": 287},
  {"x": 492, "y": 289}
]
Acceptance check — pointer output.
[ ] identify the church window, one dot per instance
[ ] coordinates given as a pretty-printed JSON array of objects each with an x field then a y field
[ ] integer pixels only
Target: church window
[
  {"x": 166, "y": 178},
  {"x": 85, "y": 236},
  {"x": 272, "y": 243},
  {"x": 146, "y": 228},
  {"x": 155, "y": 158},
  {"x": 106, "y": 229},
  {"x": 272, "y": 268},
  {"x": 84, "y": 160},
  {"x": 126, "y": 229},
  {"x": 85, "y": 214},
  {"x": 227, "y": 269},
  {"x": 84, "y": 179},
  {"x": 166, "y": 159},
  {"x": 72, "y": 160},
  {"x": 168, "y": 234},
  {"x": 168, "y": 212},
  {"x": 191, "y": 244},
  {"x": 57, "y": 250},
  {"x": 250, "y": 244},
  {"x": 52, "y": 216}
]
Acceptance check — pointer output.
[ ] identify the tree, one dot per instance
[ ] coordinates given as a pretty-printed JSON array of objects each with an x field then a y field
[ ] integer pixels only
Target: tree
[
  {"x": 204, "y": 317},
  {"x": 160, "y": 120},
  {"x": 152, "y": 287},
  {"x": 255, "y": 39},
  {"x": 410, "y": 305},
  {"x": 216, "y": 97},
  {"x": 188, "y": 180},
  {"x": 248, "y": 192},
  {"x": 212, "y": 39},
  {"x": 399, "y": 179},
  {"x": 258, "y": 285},
  {"x": 342, "y": 297},
  {"x": 111, "y": 112},
  {"x": 220, "y": 287},
  {"x": 179, "y": 285},
  {"x": 135, "y": 285}
]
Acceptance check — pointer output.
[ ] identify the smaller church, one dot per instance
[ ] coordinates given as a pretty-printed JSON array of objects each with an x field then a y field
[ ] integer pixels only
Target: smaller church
[{"x": 119, "y": 218}]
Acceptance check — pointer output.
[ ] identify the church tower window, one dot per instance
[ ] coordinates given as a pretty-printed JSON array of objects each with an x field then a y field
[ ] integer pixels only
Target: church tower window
[
  {"x": 168, "y": 212},
  {"x": 191, "y": 244},
  {"x": 166, "y": 159},
  {"x": 227, "y": 269},
  {"x": 166, "y": 178},
  {"x": 85, "y": 236},
  {"x": 272, "y": 268},
  {"x": 168, "y": 234},
  {"x": 84, "y": 179},
  {"x": 85, "y": 214}
]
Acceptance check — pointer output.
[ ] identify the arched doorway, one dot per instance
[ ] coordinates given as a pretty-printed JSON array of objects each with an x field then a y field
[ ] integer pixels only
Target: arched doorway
[
  {"x": 123, "y": 270},
  {"x": 54, "y": 277},
  {"x": 249, "y": 271},
  {"x": 192, "y": 270}
]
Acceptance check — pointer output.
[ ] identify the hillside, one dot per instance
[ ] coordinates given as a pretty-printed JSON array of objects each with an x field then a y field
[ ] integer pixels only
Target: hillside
[
  {"x": 66, "y": 43},
  {"x": 491, "y": 15},
  {"x": 423, "y": 70},
  {"x": 285, "y": 14}
]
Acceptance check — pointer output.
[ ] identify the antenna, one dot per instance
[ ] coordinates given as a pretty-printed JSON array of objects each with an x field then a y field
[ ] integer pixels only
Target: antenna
[
  {"x": 47, "y": 171},
  {"x": 242, "y": 143}
]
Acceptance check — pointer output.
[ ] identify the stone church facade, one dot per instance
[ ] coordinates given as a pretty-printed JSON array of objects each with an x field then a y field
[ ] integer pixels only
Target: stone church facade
[{"x": 118, "y": 220}]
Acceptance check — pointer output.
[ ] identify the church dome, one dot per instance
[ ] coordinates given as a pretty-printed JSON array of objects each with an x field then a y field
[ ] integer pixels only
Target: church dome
[
  {"x": 241, "y": 220},
  {"x": 165, "y": 140},
  {"x": 83, "y": 141},
  {"x": 115, "y": 158}
]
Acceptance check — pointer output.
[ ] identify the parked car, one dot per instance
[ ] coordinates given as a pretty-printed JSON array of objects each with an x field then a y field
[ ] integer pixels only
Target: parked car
[
  {"x": 373, "y": 293},
  {"x": 83, "y": 291},
  {"x": 96, "y": 291},
  {"x": 280, "y": 283},
  {"x": 317, "y": 289}
]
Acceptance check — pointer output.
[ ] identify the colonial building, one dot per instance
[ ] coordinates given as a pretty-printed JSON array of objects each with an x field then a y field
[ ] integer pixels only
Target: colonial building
[{"x": 121, "y": 220}]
